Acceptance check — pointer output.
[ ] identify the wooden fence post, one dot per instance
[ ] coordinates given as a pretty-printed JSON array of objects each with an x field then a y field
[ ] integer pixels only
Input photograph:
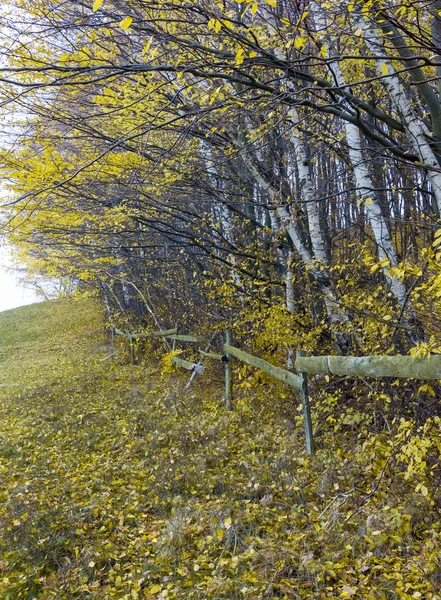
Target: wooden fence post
[
  {"x": 228, "y": 373},
  {"x": 306, "y": 410},
  {"x": 132, "y": 350},
  {"x": 174, "y": 339}
]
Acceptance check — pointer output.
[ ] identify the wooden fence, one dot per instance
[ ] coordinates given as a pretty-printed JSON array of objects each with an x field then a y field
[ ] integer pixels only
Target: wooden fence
[{"x": 398, "y": 367}]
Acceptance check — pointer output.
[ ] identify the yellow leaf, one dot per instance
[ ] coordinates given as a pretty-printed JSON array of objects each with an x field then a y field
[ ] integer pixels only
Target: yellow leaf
[
  {"x": 228, "y": 23},
  {"x": 324, "y": 51},
  {"x": 299, "y": 42},
  {"x": 97, "y": 4},
  {"x": 227, "y": 523},
  {"x": 155, "y": 588},
  {"x": 147, "y": 46},
  {"x": 401, "y": 11},
  {"x": 254, "y": 8},
  {"x": 351, "y": 6},
  {"x": 240, "y": 55},
  {"x": 424, "y": 490},
  {"x": 252, "y": 54},
  {"x": 217, "y": 26},
  {"x": 426, "y": 388},
  {"x": 272, "y": 3},
  {"x": 304, "y": 15},
  {"x": 384, "y": 263},
  {"x": 118, "y": 582},
  {"x": 384, "y": 69},
  {"x": 196, "y": 567},
  {"x": 125, "y": 24}
]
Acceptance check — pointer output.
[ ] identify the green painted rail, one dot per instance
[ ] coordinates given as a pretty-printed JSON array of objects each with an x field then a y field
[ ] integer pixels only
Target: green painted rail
[
  {"x": 277, "y": 372},
  {"x": 398, "y": 367}
]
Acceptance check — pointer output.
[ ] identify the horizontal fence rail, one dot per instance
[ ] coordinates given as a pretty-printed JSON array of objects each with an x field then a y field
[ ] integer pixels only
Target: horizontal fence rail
[
  {"x": 185, "y": 338},
  {"x": 212, "y": 355},
  {"x": 188, "y": 365},
  {"x": 398, "y": 367},
  {"x": 277, "y": 372},
  {"x": 138, "y": 336}
]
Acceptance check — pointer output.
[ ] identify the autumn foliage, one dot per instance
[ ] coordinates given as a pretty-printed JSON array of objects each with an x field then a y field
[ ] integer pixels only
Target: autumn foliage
[
  {"x": 118, "y": 484},
  {"x": 270, "y": 166}
]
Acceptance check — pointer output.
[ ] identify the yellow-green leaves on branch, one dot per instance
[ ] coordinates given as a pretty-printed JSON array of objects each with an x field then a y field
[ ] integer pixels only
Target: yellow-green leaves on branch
[
  {"x": 214, "y": 24},
  {"x": 125, "y": 24},
  {"x": 240, "y": 55}
]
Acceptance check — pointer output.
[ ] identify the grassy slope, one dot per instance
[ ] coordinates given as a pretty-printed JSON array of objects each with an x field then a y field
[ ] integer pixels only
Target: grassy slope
[{"x": 116, "y": 484}]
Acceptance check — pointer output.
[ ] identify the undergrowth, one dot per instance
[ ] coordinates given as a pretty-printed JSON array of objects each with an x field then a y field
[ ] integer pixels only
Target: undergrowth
[{"x": 116, "y": 483}]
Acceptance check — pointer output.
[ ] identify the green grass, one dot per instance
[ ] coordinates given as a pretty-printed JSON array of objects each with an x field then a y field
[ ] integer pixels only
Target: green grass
[
  {"x": 115, "y": 483},
  {"x": 40, "y": 340}
]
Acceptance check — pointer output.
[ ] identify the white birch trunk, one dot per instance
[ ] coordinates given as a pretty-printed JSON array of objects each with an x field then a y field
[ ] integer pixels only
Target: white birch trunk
[
  {"x": 275, "y": 228},
  {"x": 335, "y": 312},
  {"x": 224, "y": 214},
  {"x": 290, "y": 298},
  {"x": 213, "y": 175},
  {"x": 416, "y": 131},
  {"x": 126, "y": 293},
  {"x": 385, "y": 249},
  {"x": 290, "y": 301},
  {"x": 366, "y": 190},
  {"x": 307, "y": 191}
]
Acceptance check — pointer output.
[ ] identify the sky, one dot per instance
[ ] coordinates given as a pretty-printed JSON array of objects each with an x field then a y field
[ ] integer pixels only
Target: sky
[{"x": 12, "y": 292}]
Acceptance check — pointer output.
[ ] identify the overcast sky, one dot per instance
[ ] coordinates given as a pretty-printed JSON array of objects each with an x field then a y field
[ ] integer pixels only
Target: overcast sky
[{"x": 12, "y": 292}]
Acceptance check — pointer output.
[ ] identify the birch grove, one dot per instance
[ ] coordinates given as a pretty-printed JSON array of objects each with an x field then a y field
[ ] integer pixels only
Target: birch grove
[{"x": 270, "y": 154}]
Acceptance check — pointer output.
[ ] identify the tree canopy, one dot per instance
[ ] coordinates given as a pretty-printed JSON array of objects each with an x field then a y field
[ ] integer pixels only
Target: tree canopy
[{"x": 232, "y": 157}]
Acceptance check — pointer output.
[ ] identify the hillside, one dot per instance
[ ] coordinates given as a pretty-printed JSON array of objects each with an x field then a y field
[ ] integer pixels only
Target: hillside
[{"x": 117, "y": 484}]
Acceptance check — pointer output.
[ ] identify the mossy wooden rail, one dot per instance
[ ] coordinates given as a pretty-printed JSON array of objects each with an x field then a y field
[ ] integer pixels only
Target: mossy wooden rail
[
  {"x": 150, "y": 334},
  {"x": 171, "y": 334},
  {"x": 212, "y": 355},
  {"x": 188, "y": 365},
  {"x": 398, "y": 366},
  {"x": 276, "y": 372},
  {"x": 167, "y": 333}
]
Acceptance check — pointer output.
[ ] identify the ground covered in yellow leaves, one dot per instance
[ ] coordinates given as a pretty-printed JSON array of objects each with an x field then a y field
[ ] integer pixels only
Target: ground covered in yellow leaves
[{"x": 115, "y": 483}]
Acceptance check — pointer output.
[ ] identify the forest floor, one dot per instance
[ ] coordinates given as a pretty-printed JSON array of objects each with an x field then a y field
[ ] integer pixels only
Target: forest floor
[{"x": 116, "y": 483}]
